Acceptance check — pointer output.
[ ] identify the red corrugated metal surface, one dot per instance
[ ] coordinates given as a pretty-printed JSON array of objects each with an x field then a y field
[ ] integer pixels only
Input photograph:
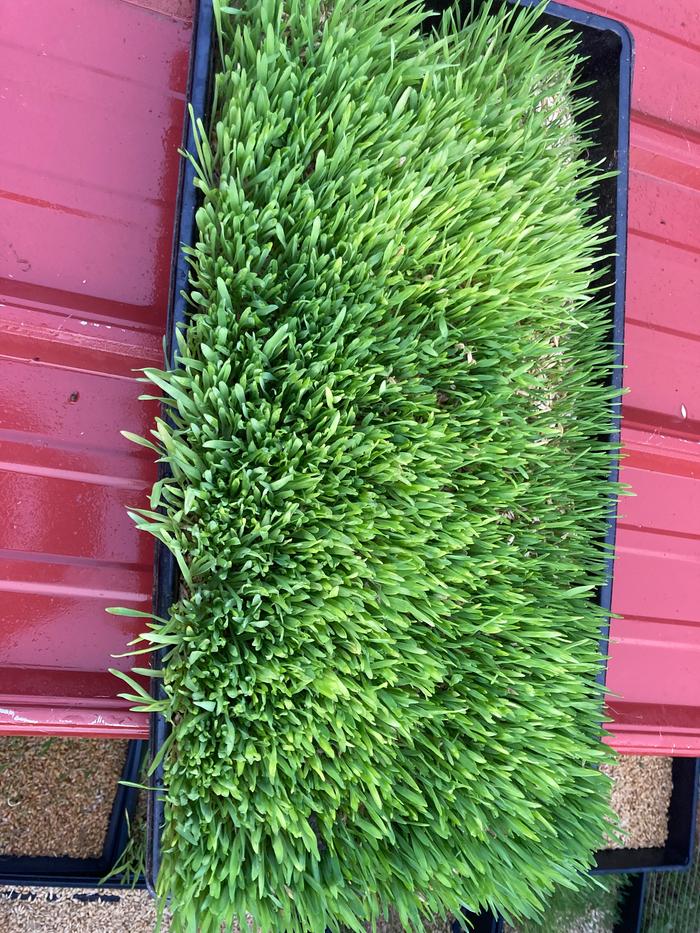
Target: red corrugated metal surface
[
  {"x": 655, "y": 650},
  {"x": 94, "y": 91},
  {"x": 92, "y": 97}
]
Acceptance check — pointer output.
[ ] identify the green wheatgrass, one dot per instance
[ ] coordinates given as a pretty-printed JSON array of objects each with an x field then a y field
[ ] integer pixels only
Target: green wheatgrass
[
  {"x": 594, "y": 906},
  {"x": 389, "y": 477}
]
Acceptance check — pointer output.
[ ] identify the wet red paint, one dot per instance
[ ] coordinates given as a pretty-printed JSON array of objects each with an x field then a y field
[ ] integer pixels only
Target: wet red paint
[
  {"x": 92, "y": 96},
  {"x": 655, "y": 649}
]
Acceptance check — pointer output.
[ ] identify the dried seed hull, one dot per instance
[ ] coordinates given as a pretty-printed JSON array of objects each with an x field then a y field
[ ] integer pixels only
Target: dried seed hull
[
  {"x": 56, "y": 795},
  {"x": 640, "y": 797}
]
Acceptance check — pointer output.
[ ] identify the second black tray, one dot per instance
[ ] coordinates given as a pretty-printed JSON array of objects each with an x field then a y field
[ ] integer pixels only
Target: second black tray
[
  {"x": 677, "y": 854},
  {"x": 66, "y": 872}
]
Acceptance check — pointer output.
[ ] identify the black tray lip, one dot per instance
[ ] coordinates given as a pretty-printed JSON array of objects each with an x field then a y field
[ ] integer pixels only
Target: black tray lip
[
  {"x": 166, "y": 576},
  {"x": 64, "y": 872},
  {"x": 631, "y": 918}
]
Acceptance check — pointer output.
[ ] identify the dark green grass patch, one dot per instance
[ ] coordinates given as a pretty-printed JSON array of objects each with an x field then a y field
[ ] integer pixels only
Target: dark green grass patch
[{"x": 389, "y": 482}]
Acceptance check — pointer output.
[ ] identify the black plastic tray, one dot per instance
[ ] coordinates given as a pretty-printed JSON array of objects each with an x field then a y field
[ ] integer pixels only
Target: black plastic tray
[
  {"x": 677, "y": 854},
  {"x": 478, "y": 923},
  {"x": 631, "y": 915},
  {"x": 608, "y": 46},
  {"x": 85, "y": 873}
]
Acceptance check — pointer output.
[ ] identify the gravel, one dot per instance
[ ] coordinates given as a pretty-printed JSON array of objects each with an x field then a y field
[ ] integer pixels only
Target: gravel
[
  {"x": 393, "y": 925},
  {"x": 56, "y": 795},
  {"x": 73, "y": 910},
  {"x": 594, "y": 921},
  {"x": 641, "y": 796}
]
